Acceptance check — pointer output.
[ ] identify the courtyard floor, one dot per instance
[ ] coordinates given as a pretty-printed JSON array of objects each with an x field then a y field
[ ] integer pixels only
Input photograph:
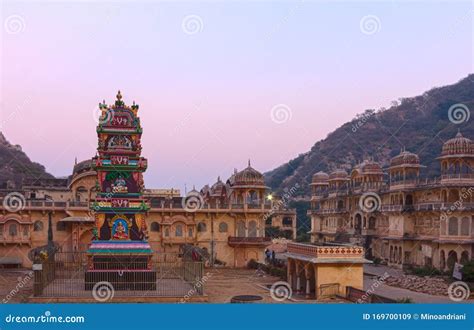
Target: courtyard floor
[{"x": 221, "y": 284}]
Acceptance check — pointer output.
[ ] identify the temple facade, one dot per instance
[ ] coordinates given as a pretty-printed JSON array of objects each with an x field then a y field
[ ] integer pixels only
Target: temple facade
[
  {"x": 226, "y": 219},
  {"x": 398, "y": 217}
]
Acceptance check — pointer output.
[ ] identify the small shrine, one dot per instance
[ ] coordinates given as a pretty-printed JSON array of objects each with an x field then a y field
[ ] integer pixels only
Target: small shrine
[{"x": 119, "y": 252}]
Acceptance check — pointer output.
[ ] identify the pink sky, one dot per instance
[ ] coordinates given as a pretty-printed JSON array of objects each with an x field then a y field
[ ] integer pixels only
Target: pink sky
[{"x": 206, "y": 97}]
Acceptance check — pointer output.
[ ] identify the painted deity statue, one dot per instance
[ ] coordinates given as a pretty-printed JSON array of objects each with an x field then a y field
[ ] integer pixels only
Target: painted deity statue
[{"x": 120, "y": 232}]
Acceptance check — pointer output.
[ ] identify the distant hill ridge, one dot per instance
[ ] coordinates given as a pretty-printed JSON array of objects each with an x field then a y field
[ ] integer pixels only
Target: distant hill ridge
[
  {"x": 16, "y": 166},
  {"x": 419, "y": 124}
]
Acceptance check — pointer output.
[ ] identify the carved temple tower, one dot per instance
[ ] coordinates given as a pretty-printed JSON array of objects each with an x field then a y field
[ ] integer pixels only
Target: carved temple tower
[{"x": 120, "y": 232}]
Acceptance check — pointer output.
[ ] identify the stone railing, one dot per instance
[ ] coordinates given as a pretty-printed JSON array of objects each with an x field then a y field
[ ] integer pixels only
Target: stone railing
[
  {"x": 458, "y": 176},
  {"x": 79, "y": 205},
  {"x": 326, "y": 251},
  {"x": 14, "y": 239},
  {"x": 48, "y": 205},
  {"x": 233, "y": 240}
]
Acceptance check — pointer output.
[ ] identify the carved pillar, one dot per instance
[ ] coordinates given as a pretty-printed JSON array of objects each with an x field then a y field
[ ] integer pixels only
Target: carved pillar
[
  {"x": 315, "y": 269},
  {"x": 307, "y": 270},
  {"x": 298, "y": 278},
  {"x": 289, "y": 273}
]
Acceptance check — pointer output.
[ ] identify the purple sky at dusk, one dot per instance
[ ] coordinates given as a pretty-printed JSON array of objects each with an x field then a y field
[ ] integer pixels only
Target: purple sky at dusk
[{"x": 206, "y": 91}]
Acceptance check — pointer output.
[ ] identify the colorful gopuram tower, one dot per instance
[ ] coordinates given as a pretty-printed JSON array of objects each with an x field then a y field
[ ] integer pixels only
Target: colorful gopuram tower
[{"x": 119, "y": 252}]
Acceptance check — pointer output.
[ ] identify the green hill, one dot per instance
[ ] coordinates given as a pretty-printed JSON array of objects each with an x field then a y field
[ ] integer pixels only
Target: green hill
[{"x": 420, "y": 124}]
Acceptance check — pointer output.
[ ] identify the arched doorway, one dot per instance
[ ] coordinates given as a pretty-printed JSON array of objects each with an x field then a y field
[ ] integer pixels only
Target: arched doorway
[
  {"x": 464, "y": 257},
  {"x": 358, "y": 224},
  {"x": 452, "y": 259},
  {"x": 442, "y": 260},
  {"x": 85, "y": 240}
]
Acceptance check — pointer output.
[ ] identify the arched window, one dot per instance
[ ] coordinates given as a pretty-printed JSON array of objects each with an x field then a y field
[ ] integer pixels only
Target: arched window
[
  {"x": 240, "y": 228},
  {"x": 61, "y": 226},
  {"x": 81, "y": 193},
  {"x": 178, "y": 231},
  {"x": 253, "y": 228},
  {"x": 223, "y": 227},
  {"x": 371, "y": 223},
  {"x": 465, "y": 226},
  {"x": 453, "y": 226},
  {"x": 38, "y": 226},
  {"x": 340, "y": 205},
  {"x": 201, "y": 227},
  {"x": 190, "y": 232},
  {"x": 287, "y": 221},
  {"x": 13, "y": 229},
  {"x": 167, "y": 232},
  {"x": 155, "y": 226},
  {"x": 442, "y": 225},
  {"x": 252, "y": 198},
  {"x": 268, "y": 221}
]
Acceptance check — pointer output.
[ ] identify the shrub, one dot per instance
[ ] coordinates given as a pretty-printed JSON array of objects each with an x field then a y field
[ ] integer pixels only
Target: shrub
[
  {"x": 468, "y": 271},
  {"x": 278, "y": 272},
  {"x": 405, "y": 300},
  {"x": 424, "y": 271},
  {"x": 252, "y": 264}
]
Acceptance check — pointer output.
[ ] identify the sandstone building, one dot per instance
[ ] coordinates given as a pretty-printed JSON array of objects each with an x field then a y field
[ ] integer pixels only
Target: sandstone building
[
  {"x": 226, "y": 219},
  {"x": 398, "y": 217}
]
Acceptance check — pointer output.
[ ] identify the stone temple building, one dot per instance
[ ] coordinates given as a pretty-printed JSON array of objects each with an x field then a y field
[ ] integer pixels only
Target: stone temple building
[
  {"x": 226, "y": 219},
  {"x": 395, "y": 215}
]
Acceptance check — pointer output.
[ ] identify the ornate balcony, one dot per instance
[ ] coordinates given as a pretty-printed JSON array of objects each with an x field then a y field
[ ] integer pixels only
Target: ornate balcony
[
  {"x": 249, "y": 241},
  {"x": 326, "y": 251},
  {"x": 14, "y": 239}
]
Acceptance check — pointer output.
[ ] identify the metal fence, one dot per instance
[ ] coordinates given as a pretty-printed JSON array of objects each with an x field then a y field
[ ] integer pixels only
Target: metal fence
[
  {"x": 68, "y": 274},
  {"x": 361, "y": 296},
  {"x": 329, "y": 290}
]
